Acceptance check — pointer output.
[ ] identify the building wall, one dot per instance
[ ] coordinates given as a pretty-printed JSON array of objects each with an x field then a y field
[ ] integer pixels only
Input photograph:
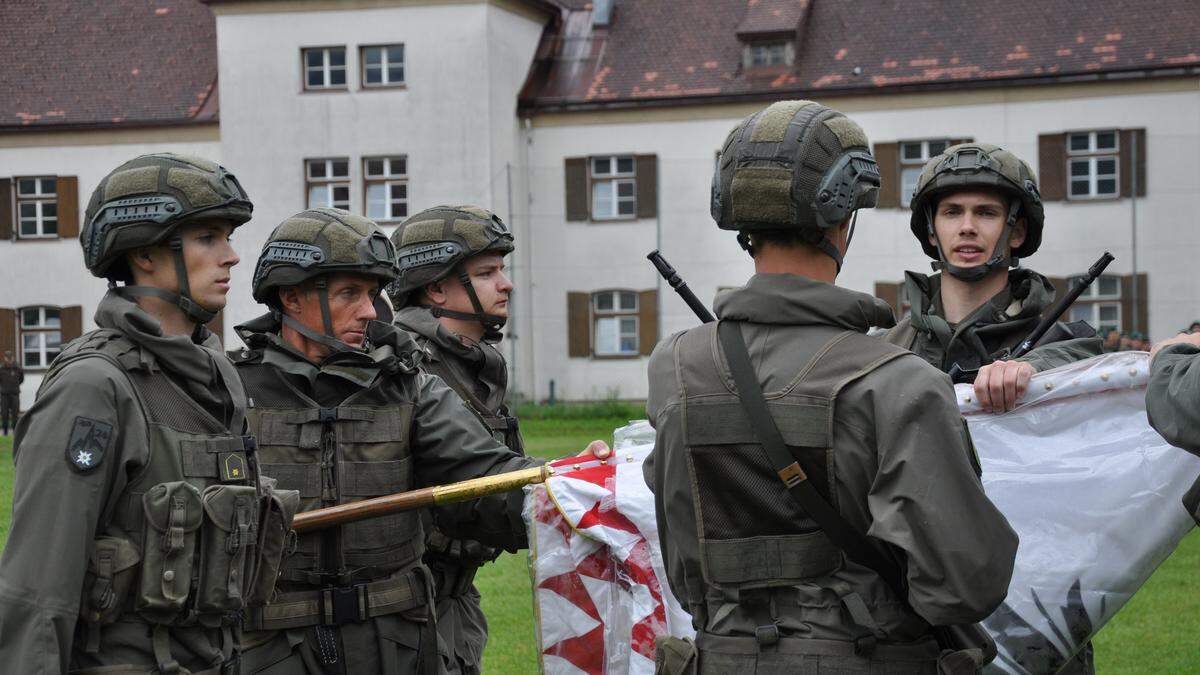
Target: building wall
[
  {"x": 454, "y": 119},
  {"x": 51, "y": 272},
  {"x": 590, "y": 256}
]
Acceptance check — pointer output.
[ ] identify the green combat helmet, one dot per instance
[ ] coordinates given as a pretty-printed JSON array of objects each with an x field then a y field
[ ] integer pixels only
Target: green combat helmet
[
  {"x": 144, "y": 202},
  {"x": 313, "y": 244},
  {"x": 796, "y": 165},
  {"x": 433, "y": 244},
  {"x": 979, "y": 165}
]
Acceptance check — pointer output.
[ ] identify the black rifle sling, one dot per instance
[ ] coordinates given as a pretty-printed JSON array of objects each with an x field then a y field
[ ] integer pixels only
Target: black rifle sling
[{"x": 852, "y": 542}]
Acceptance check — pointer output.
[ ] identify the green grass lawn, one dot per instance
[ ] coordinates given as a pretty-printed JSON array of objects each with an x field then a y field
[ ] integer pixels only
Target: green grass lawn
[{"x": 1155, "y": 633}]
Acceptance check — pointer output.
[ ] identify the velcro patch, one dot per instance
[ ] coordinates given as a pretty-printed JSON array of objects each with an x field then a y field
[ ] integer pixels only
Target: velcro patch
[{"x": 88, "y": 443}]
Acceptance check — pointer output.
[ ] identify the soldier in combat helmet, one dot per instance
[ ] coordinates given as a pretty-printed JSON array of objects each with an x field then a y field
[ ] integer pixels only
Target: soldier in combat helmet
[
  {"x": 452, "y": 295},
  {"x": 138, "y": 516},
  {"x": 976, "y": 211},
  {"x": 873, "y": 430},
  {"x": 342, "y": 413}
]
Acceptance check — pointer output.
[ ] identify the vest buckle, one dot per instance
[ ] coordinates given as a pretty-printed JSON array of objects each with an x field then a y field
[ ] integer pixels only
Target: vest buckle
[
  {"x": 328, "y": 415},
  {"x": 767, "y": 636}
]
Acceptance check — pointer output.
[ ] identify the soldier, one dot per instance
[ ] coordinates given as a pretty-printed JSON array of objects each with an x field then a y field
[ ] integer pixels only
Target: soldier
[
  {"x": 136, "y": 513},
  {"x": 342, "y": 413},
  {"x": 875, "y": 430},
  {"x": 977, "y": 210},
  {"x": 1174, "y": 390},
  {"x": 11, "y": 377},
  {"x": 452, "y": 295}
]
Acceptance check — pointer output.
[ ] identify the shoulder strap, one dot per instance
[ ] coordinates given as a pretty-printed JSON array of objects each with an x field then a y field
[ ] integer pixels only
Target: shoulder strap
[{"x": 852, "y": 542}]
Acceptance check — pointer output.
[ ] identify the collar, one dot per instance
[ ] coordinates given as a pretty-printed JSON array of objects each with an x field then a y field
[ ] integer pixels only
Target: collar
[{"x": 791, "y": 299}]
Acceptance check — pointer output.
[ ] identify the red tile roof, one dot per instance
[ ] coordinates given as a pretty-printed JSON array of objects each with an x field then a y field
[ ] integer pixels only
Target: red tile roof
[
  {"x": 73, "y": 64},
  {"x": 683, "y": 51}
]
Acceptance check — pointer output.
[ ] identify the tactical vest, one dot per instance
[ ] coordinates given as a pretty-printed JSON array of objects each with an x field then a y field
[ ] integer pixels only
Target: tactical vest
[
  {"x": 183, "y": 545},
  {"x": 753, "y": 535},
  {"x": 336, "y": 455},
  {"x": 455, "y": 562}
]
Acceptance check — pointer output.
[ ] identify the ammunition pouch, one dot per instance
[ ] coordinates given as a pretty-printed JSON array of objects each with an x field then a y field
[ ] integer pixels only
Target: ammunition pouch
[
  {"x": 228, "y": 547},
  {"x": 275, "y": 537},
  {"x": 454, "y": 562},
  {"x": 112, "y": 568},
  {"x": 173, "y": 514},
  {"x": 674, "y": 656},
  {"x": 338, "y": 605}
]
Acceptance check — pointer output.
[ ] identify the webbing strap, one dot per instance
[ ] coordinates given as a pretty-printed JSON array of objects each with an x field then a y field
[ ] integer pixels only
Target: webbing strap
[{"x": 852, "y": 542}]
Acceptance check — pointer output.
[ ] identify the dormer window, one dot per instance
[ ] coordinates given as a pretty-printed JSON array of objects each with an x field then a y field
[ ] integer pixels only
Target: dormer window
[{"x": 768, "y": 54}]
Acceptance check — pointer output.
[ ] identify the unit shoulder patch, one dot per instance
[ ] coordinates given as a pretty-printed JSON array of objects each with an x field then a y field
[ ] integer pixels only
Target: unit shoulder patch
[{"x": 88, "y": 443}]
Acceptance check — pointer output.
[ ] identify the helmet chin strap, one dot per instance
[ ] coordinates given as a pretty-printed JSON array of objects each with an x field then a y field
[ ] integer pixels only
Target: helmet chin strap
[
  {"x": 183, "y": 299},
  {"x": 490, "y": 322},
  {"x": 328, "y": 339},
  {"x": 1000, "y": 259}
]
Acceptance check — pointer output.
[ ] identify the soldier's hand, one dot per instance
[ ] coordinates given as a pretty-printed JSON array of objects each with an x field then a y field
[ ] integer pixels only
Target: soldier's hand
[
  {"x": 1000, "y": 383},
  {"x": 598, "y": 449},
  {"x": 1181, "y": 339}
]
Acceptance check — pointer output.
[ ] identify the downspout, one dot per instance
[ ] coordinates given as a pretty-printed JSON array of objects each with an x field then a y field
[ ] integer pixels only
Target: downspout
[
  {"x": 528, "y": 246},
  {"x": 1133, "y": 191}
]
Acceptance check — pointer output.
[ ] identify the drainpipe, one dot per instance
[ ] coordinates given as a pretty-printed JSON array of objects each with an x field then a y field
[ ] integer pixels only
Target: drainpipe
[
  {"x": 528, "y": 245},
  {"x": 1133, "y": 190}
]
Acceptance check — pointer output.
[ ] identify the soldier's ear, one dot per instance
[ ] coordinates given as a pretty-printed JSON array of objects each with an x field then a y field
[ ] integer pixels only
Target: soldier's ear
[
  {"x": 435, "y": 293},
  {"x": 289, "y": 300},
  {"x": 1019, "y": 231},
  {"x": 141, "y": 261}
]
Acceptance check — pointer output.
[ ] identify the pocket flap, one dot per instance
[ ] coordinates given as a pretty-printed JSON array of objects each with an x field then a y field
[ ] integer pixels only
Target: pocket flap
[
  {"x": 174, "y": 504},
  {"x": 116, "y": 553},
  {"x": 223, "y": 503}
]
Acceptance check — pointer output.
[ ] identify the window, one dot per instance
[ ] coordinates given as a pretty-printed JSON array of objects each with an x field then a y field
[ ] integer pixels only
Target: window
[
  {"x": 328, "y": 182},
  {"x": 383, "y": 66},
  {"x": 41, "y": 336},
  {"x": 614, "y": 187},
  {"x": 1092, "y": 164},
  {"x": 37, "y": 208},
  {"x": 913, "y": 156},
  {"x": 324, "y": 67},
  {"x": 615, "y": 320},
  {"x": 385, "y": 181},
  {"x": 1100, "y": 304},
  {"x": 767, "y": 54}
]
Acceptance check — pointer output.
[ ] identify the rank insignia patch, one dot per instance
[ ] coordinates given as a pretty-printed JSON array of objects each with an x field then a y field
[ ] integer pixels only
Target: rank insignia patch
[{"x": 88, "y": 443}]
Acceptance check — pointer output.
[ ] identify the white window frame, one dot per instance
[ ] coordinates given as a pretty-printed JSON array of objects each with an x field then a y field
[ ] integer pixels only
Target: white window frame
[
  {"x": 914, "y": 166},
  {"x": 612, "y": 181},
  {"x": 42, "y": 331},
  {"x": 618, "y": 315},
  {"x": 393, "y": 177},
  {"x": 384, "y": 66},
  {"x": 1092, "y": 311},
  {"x": 1092, "y": 156},
  {"x": 326, "y": 68},
  {"x": 329, "y": 181},
  {"x": 38, "y": 199}
]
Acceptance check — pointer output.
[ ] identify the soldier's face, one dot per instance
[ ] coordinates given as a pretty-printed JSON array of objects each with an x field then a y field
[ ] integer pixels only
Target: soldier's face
[
  {"x": 967, "y": 225},
  {"x": 351, "y": 306},
  {"x": 492, "y": 286},
  {"x": 208, "y": 256}
]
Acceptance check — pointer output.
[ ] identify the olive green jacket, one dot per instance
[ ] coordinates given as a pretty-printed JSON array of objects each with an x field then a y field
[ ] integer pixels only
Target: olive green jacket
[
  {"x": 902, "y": 467},
  {"x": 999, "y": 324},
  {"x": 1173, "y": 396},
  {"x": 58, "y": 509}
]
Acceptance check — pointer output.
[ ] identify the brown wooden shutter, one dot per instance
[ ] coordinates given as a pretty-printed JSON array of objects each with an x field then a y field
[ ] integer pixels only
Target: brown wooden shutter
[
  {"x": 958, "y": 141},
  {"x": 72, "y": 322},
  {"x": 1061, "y": 286},
  {"x": 217, "y": 326},
  {"x": 579, "y": 325},
  {"x": 1127, "y": 159},
  {"x": 6, "y": 209},
  {"x": 888, "y": 157},
  {"x": 8, "y": 331},
  {"x": 647, "y": 186},
  {"x": 67, "y": 188},
  {"x": 647, "y": 321},
  {"x": 1127, "y": 309},
  {"x": 889, "y": 293},
  {"x": 1052, "y": 166},
  {"x": 576, "y": 188}
]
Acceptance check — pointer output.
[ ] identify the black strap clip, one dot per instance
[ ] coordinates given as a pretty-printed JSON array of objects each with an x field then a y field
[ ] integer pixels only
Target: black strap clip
[
  {"x": 328, "y": 415},
  {"x": 767, "y": 636},
  {"x": 345, "y": 600}
]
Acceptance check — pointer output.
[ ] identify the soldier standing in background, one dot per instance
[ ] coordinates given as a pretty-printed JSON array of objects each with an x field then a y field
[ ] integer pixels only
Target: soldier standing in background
[
  {"x": 137, "y": 510},
  {"x": 342, "y": 413},
  {"x": 977, "y": 210},
  {"x": 866, "y": 425},
  {"x": 11, "y": 377}
]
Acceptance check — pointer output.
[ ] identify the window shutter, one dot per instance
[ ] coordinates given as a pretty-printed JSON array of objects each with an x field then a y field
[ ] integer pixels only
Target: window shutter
[
  {"x": 1127, "y": 159},
  {"x": 579, "y": 329},
  {"x": 959, "y": 141},
  {"x": 6, "y": 209},
  {"x": 887, "y": 155},
  {"x": 889, "y": 293},
  {"x": 217, "y": 326},
  {"x": 1061, "y": 286},
  {"x": 576, "y": 188},
  {"x": 647, "y": 186},
  {"x": 647, "y": 321},
  {"x": 67, "y": 188},
  {"x": 1052, "y": 166},
  {"x": 8, "y": 331},
  {"x": 72, "y": 322},
  {"x": 1127, "y": 309}
]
